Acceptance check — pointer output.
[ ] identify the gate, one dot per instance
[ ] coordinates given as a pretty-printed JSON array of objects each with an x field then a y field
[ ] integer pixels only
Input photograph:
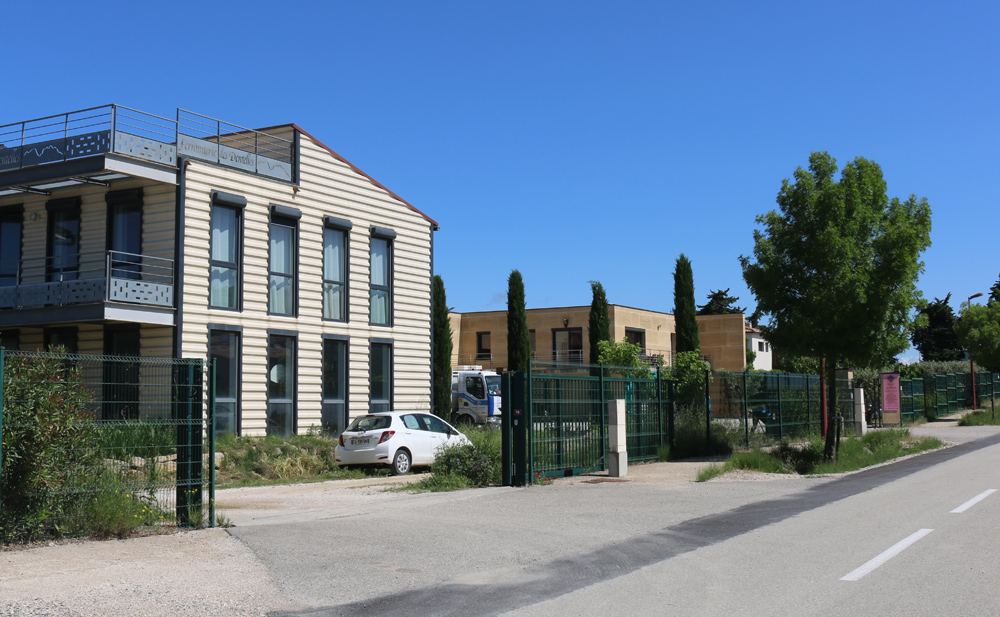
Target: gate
[{"x": 555, "y": 424}]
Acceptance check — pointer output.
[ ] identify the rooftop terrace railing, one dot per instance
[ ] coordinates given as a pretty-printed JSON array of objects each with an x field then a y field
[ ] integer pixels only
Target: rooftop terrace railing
[{"x": 134, "y": 133}]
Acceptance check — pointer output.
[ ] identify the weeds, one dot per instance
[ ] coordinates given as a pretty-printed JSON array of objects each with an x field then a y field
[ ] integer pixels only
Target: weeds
[
  {"x": 256, "y": 461},
  {"x": 979, "y": 418}
]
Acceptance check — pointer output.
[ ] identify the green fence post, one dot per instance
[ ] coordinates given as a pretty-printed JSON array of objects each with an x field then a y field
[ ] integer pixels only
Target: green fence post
[
  {"x": 211, "y": 442},
  {"x": 529, "y": 426},
  {"x": 659, "y": 405},
  {"x": 672, "y": 393},
  {"x": 781, "y": 419},
  {"x": 602, "y": 420},
  {"x": 708, "y": 416},
  {"x": 746, "y": 409}
]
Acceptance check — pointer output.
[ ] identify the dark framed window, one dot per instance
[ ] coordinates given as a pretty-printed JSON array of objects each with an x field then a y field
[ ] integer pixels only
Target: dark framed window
[
  {"x": 224, "y": 348},
  {"x": 281, "y": 383},
  {"x": 334, "y": 411},
  {"x": 121, "y": 375},
  {"x": 283, "y": 262},
  {"x": 10, "y": 339},
  {"x": 11, "y": 233},
  {"x": 62, "y": 239},
  {"x": 124, "y": 232},
  {"x": 636, "y": 336},
  {"x": 380, "y": 371},
  {"x": 531, "y": 338},
  {"x": 226, "y": 252},
  {"x": 567, "y": 345},
  {"x": 381, "y": 276},
  {"x": 61, "y": 337},
  {"x": 334, "y": 273},
  {"x": 483, "y": 346}
]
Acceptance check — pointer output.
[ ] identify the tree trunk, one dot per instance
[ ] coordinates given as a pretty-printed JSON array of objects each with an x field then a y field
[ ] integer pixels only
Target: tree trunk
[{"x": 832, "y": 436}]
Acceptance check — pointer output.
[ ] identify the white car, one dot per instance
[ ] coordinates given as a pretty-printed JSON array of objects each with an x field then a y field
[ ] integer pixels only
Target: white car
[{"x": 399, "y": 439}]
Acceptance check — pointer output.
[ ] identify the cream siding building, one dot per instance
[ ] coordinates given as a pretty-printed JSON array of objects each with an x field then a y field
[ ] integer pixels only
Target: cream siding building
[{"x": 308, "y": 281}]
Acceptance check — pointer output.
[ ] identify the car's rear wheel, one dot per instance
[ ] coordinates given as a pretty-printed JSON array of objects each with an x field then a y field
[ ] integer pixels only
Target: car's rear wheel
[
  {"x": 401, "y": 462},
  {"x": 465, "y": 421}
]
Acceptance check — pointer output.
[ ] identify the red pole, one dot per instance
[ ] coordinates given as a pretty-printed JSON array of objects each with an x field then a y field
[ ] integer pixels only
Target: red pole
[{"x": 822, "y": 397}]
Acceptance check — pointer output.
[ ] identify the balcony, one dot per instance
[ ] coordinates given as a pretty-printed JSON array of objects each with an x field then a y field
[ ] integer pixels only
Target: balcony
[
  {"x": 81, "y": 147},
  {"x": 81, "y": 287}
]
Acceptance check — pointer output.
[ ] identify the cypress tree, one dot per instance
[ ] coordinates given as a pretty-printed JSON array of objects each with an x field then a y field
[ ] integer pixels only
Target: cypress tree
[
  {"x": 599, "y": 326},
  {"x": 684, "y": 309},
  {"x": 518, "y": 338},
  {"x": 442, "y": 350}
]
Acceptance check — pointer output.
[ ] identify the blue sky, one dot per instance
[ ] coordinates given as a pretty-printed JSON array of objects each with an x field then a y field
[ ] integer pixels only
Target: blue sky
[{"x": 574, "y": 141}]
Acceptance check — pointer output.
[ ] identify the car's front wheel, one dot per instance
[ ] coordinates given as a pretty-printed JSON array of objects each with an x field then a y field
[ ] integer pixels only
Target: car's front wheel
[{"x": 401, "y": 463}]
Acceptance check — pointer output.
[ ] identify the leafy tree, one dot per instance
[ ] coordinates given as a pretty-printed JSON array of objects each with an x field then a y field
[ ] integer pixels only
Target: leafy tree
[
  {"x": 995, "y": 292},
  {"x": 442, "y": 350},
  {"x": 835, "y": 270},
  {"x": 751, "y": 356},
  {"x": 689, "y": 371},
  {"x": 599, "y": 326},
  {"x": 684, "y": 311},
  {"x": 518, "y": 337},
  {"x": 978, "y": 331},
  {"x": 624, "y": 355},
  {"x": 934, "y": 333},
  {"x": 720, "y": 303}
]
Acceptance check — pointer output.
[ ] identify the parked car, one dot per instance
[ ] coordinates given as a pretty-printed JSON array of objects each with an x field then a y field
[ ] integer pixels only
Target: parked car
[{"x": 399, "y": 439}]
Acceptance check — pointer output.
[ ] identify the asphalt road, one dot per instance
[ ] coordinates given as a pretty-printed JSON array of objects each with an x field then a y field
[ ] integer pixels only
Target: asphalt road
[{"x": 656, "y": 544}]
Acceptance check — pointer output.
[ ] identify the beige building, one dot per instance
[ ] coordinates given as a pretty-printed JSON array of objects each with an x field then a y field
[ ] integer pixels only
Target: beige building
[
  {"x": 128, "y": 234},
  {"x": 561, "y": 335}
]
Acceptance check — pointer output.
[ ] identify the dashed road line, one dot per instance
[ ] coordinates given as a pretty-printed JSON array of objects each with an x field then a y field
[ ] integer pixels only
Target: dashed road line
[
  {"x": 968, "y": 504},
  {"x": 896, "y": 549}
]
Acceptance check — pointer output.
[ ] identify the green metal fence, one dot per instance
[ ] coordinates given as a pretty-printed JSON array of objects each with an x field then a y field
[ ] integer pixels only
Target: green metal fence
[
  {"x": 935, "y": 396},
  {"x": 101, "y": 444}
]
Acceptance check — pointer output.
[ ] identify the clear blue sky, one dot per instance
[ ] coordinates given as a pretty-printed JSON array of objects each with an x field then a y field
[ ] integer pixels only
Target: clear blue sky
[{"x": 571, "y": 140}]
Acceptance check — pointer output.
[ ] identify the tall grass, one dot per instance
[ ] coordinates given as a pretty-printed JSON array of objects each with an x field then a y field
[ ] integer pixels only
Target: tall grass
[{"x": 255, "y": 461}]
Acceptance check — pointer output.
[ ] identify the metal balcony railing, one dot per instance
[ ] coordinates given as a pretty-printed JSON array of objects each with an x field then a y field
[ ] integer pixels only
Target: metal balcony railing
[
  {"x": 63, "y": 280},
  {"x": 134, "y": 133}
]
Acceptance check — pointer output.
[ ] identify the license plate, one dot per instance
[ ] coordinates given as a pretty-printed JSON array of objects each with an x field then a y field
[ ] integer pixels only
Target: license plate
[{"x": 361, "y": 442}]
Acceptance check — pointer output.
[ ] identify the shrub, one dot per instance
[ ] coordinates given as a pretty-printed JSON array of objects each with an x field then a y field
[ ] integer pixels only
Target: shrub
[
  {"x": 467, "y": 461},
  {"x": 49, "y": 440}
]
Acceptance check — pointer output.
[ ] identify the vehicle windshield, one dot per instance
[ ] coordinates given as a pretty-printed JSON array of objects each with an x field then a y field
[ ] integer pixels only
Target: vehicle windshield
[
  {"x": 369, "y": 423},
  {"x": 493, "y": 385}
]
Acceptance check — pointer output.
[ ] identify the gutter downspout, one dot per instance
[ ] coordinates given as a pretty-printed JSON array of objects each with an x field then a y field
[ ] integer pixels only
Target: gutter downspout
[{"x": 183, "y": 162}]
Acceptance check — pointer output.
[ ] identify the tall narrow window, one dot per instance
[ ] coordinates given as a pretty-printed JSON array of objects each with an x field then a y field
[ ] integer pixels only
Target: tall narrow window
[
  {"x": 280, "y": 385},
  {"x": 121, "y": 374},
  {"x": 282, "y": 262},
  {"x": 226, "y": 251},
  {"x": 63, "y": 240},
  {"x": 334, "y": 274},
  {"x": 224, "y": 348},
  {"x": 483, "y": 347},
  {"x": 334, "y": 411},
  {"x": 381, "y": 276},
  {"x": 125, "y": 232},
  {"x": 61, "y": 337},
  {"x": 380, "y": 398},
  {"x": 11, "y": 224},
  {"x": 567, "y": 344}
]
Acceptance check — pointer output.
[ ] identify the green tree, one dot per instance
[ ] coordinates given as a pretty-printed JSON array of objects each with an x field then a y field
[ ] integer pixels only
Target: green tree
[
  {"x": 518, "y": 337},
  {"x": 995, "y": 292},
  {"x": 689, "y": 370},
  {"x": 684, "y": 311},
  {"x": 442, "y": 350},
  {"x": 934, "y": 333},
  {"x": 720, "y": 303},
  {"x": 978, "y": 331},
  {"x": 599, "y": 326},
  {"x": 751, "y": 356},
  {"x": 836, "y": 269},
  {"x": 624, "y": 355}
]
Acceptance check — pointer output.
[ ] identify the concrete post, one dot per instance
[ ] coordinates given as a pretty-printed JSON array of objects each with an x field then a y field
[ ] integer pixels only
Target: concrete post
[
  {"x": 860, "y": 424},
  {"x": 618, "y": 455}
]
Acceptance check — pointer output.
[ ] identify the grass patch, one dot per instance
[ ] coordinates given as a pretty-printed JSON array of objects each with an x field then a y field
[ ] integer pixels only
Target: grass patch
[
  {"x": 979, "y": 418},
  {"x": 259, "y": 461},
  {"x": 807, "y": 459}
]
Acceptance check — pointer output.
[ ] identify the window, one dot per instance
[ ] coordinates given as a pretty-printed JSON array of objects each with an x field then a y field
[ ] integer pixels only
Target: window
[
  {"x": 636, "y": 336},
  {"x": 11, "y": 223},
  {"x": 381, "y": 276},
  {"x": 531, "y": 337},
  {"x": 334, "y": 274},
  {"x": 10, "y": 339},
  {"x": 224, "y": 348},
  {"x": 380, "y": 370},
  {"x": 61, "y": 337},
  {"x": 280, "y": 383},
  {"x": 124, "y": 236},
  {"x": 474, "y": 386},
  {"x": 282, "y": 260},
  {"x": 120, "y": 392},
  {"x": 63, "y": 240},
  {"x": 433, "y": 424},
  {"x": 483, "y": 346},
  {"x": 567, "y": 344},
  {"x": 334, "y": 411},
  {"x": 226, "y": 252}
]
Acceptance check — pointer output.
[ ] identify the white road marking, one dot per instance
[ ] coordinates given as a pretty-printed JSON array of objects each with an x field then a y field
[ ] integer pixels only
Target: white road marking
[
  {"x": 886, "y": 556},
  {"x": 968, "y": 504}
]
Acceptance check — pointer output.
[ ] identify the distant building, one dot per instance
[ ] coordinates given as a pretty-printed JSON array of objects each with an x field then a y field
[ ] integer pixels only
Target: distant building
[
  {"x": 765, "y": 358},
  {"x": 560, "y": 335},
  {"x": 128, "y": 234}
]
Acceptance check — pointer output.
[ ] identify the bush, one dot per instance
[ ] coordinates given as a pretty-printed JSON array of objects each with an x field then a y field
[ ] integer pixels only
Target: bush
[
  {"x": 50, "y": 442},
  {"x": 468, "y": 462}
]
